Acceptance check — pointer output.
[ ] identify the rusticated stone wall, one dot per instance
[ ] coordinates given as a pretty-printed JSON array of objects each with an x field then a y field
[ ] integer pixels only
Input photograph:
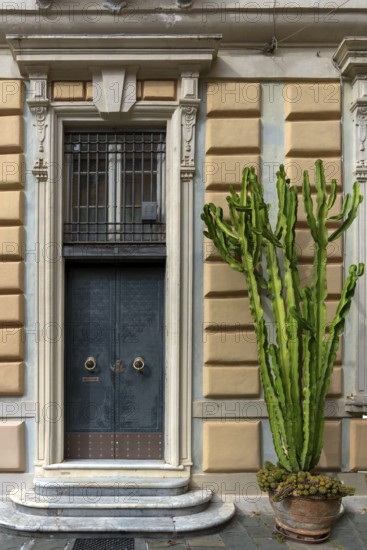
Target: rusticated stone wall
[
  {"x": 312, "y": 130},
  {"x": 12, "y": 457}
]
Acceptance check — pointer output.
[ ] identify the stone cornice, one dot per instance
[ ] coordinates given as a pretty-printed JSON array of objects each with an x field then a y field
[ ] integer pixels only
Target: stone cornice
[
  {"x": 351, "y": 56},
  {"x": 164, "y": 54},
  {"x": 113, "y": 5},
  {"x": 242, "y": 24}
]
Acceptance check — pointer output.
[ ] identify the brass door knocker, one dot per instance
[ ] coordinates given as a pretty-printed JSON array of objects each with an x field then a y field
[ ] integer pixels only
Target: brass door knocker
[
  {"x": 90, "y": 364},
  {"x": 138, "y": 364}
]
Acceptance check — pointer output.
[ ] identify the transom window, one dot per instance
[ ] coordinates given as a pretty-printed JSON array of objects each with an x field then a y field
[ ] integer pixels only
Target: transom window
[{"x": 115, "y": 186}]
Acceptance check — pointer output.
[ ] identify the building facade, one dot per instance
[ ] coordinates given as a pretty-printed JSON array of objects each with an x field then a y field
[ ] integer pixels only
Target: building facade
[{"x": 127, "y": 350}]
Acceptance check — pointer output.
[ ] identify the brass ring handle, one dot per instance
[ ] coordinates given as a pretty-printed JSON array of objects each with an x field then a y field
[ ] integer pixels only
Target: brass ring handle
[
  {"x": 90, "y": 364},
  {"x": 138, "y": 364}
]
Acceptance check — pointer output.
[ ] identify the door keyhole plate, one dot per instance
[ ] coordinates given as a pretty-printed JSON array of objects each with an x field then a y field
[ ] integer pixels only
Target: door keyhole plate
[{"x": 118, "y": 366}]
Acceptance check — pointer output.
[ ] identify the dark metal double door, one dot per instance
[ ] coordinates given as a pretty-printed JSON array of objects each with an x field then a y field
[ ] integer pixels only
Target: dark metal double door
[{"x": 114, "y": 361}]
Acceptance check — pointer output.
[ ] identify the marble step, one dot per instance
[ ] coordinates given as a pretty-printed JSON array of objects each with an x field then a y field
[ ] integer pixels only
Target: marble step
[
  {"x": 192, "y": 502},
  {"x": 114, "y": 486},
  {"x": 215, "y": 515}
]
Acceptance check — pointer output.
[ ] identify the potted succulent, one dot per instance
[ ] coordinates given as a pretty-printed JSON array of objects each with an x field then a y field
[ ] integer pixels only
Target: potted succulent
[{"x": 297, "y": 366}]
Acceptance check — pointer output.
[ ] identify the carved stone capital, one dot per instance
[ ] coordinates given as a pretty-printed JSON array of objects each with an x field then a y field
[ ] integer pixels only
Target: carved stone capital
[
  {"x": 187, "y": 176},
  {"x": 40, "y": 170}
]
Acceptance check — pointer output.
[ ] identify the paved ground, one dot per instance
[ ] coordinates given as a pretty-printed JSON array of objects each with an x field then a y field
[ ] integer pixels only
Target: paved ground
[{"x": 251, "y": 529}]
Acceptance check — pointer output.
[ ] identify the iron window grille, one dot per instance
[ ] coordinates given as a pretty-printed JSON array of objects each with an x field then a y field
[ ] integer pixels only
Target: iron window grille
[{"x": 115, "y": 187}]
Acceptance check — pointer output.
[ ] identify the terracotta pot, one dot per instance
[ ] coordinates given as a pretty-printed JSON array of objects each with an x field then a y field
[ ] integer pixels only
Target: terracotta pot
[{"x": 310, "y": 517}]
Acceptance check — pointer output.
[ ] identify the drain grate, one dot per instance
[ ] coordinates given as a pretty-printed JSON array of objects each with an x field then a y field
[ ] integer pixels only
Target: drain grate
[{"x": 104, "y": 544}]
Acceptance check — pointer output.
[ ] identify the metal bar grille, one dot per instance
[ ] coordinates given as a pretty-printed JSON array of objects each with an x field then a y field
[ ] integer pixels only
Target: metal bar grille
[
  {"x": 115, "y": 187},
  {"x": 105, "y": 544}
]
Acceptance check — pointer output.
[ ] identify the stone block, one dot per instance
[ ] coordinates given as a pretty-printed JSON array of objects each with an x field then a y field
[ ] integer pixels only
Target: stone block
[
  {"x": 231, "y": 446},
  {"x": 89, "y": 90},
  {"x": 11, "y": 379},
  {"x": 210, "y": 253},
  {"x": 314, "y": 138},
  {"x": 331, "y": 306},
  {"x": 209, "y": 541},
  {"x": 11, "y": 244},
  {"x": 301, "y": 213},
  {"x": 358, "y": 444},
  {"x": 11, "y": 277},
  {"x": 155, "y": 90},
  {"x": 334, "y": 274},
  {"x": 336, "y": 383},
  {"x": 11, "y": 343},
  {"x": 11, "y": 135},
  {"x": 221, "y": 171},
  {"x": 12, "y": 443},
  {"x": 227, "y": 313},
  {"x": 296, "y": 166},
  {"x": 237, "y": 135},
  {"x": 220, "y": 279},
  {"x": 11, "y": 309},
  {"x": 306, "y": 246},
  {"x": 236, "y": 347},
  {"x": 12, "y": 171},
  {"x": 220, "y": 200},
  {"x": 11, "y": 207},
  {"x": 339, "y": 353},
  {"x": 313, "y": 99},
  {"x": 231, "y": 382},
  {"x": 68, "y": 91},
  {"x": 237, "y": 98},
  {"x": 330, "y": 459},
  {"x": 11, "y": 97}
]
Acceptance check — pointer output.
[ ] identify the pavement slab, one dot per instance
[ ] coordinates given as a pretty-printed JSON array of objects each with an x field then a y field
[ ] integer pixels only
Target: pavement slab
[{"x": 213, "y": 541}]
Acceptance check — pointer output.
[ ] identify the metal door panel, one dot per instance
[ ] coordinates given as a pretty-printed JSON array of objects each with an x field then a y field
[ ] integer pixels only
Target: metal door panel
[
  {"x": 95, "y": 445},
  {"x": 115, "y": 313},
  {"x": 89, "y": 332},
  {"x": 139, "y": 405},
  {"x": 139, "y": 445}
]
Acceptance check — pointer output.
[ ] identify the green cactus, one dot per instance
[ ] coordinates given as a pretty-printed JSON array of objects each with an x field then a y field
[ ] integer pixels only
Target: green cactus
[{"x": 297, "y": 367}]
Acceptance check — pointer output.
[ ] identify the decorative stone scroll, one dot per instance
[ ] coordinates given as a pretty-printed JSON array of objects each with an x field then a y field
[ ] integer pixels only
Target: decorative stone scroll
[
  {"x": 189, "y": 102},
  {"x": 38, "y": 103},
  {"x": 361, "y": 135},
  {"x": 188, "y": 136}
]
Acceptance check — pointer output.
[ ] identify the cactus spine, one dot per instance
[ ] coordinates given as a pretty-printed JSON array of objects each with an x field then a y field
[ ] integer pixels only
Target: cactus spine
[{"x": 297, "y": 367}]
